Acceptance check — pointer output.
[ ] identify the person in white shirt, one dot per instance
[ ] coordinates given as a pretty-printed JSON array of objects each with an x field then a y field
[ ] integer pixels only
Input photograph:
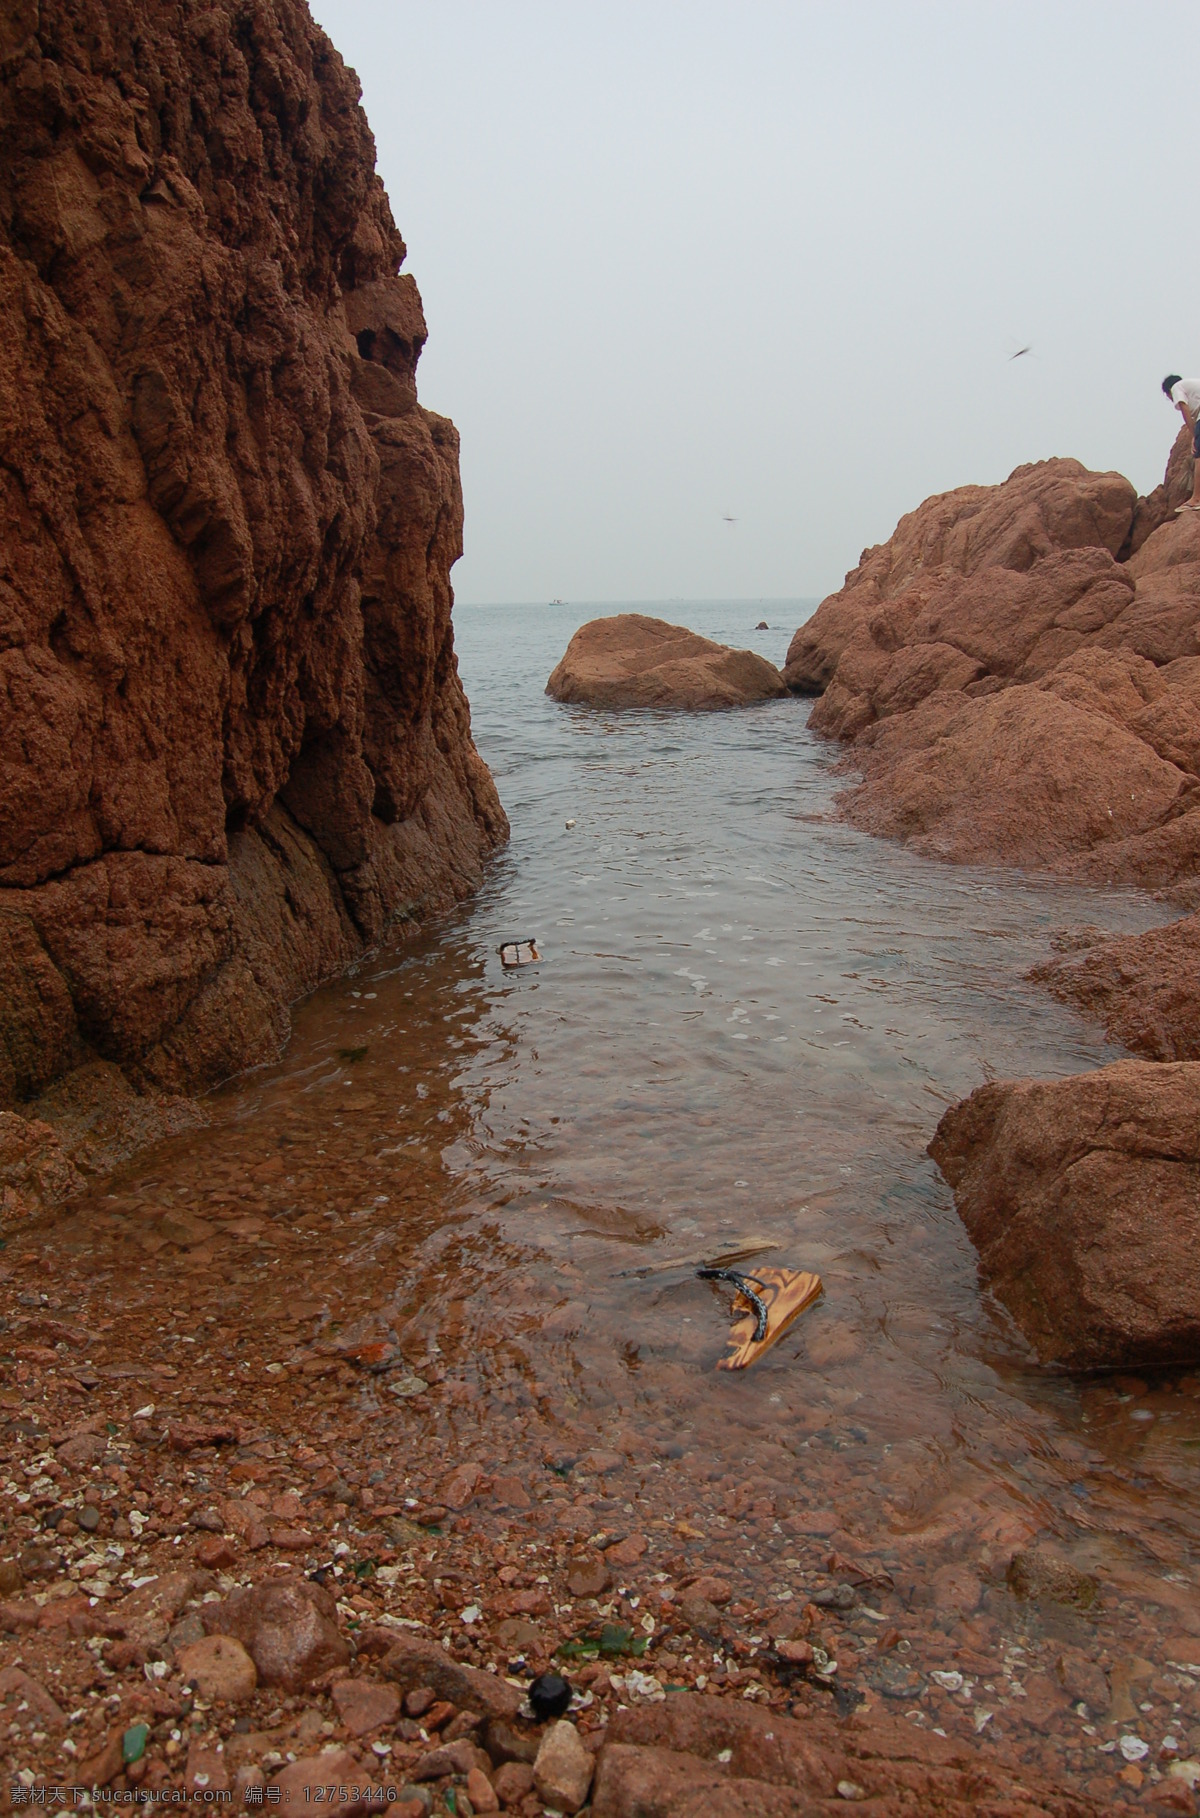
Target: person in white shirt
[{"x": 1185, "y": 396}]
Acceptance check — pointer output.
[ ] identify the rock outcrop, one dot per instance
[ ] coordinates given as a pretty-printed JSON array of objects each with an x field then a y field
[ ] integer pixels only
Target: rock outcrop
[
  {"x": 233, "y": 747},
  {"x": 1014, "y": 689},
  {"x": 631, "y": 660},
  {"x": 1082, "y": 1197},
  {"x": 1039, "y": 511},
  {"x": 1017, "y": 674},
  {"x": 688, "y": 1755},
  {"x": 1144, "y": 988},
  {"x": 86, "y": 1124}
]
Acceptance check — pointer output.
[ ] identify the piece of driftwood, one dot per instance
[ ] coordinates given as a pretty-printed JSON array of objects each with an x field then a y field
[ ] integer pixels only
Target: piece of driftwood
[{"x": 785, "y": 1293}]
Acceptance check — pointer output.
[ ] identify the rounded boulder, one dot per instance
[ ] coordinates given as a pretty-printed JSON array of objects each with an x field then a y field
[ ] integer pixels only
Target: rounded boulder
[
  {"x": 631, "y": 660},
  {"x": 288, "y": 1628}
]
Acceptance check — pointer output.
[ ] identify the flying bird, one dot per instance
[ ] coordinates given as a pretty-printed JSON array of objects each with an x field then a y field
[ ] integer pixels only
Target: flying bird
[
  {"x": 1020, "y": 351},
  {"x": 729, "y": 519}
]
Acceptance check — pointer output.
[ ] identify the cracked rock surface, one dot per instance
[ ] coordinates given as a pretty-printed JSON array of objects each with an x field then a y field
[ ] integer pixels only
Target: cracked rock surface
[{"x": 233, "y": 743}]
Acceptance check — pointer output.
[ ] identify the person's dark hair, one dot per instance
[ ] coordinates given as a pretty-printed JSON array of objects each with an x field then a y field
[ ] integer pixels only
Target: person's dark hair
[{"x": 1172, "y": 378}]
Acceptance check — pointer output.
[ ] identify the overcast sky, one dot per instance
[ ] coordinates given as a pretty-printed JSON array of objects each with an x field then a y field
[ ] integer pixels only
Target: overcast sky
[{"x": 683, "y": 258}]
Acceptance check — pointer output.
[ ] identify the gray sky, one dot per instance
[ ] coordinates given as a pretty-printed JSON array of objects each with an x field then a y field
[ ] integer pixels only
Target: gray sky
[{"x": 681, "y": 258}]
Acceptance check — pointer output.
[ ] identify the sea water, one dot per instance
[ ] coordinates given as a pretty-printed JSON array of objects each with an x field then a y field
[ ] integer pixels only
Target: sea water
[{"x": 743, "y": 1027}]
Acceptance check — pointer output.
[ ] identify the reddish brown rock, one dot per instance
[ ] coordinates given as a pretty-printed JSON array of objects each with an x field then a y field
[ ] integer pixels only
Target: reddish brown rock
[
  {"x": 459, "y": 1488},
  {"x": 1082, "y": 1197},
  {"x": 703, "y": 1618},
  {"x": 713, "y": 1590},
  {"x": 35, "y": 1170},
  {"x": 146, "y": 1615},
  {"x": 215, "y": 1553},
  {"x": 414, "y": 1664},
  {"x": 511, "y": 1493},
  {"x": 219, "y": 1667},
  {"x": 1017, "y": 672},
  {"x": 562, "y": 1772},
  {"x": 457, "y": 1757},
  {"x": 1158, "y": 507},
  {"x": 205, "y": 1774},
  {"x": 15, "y": 1616},
  {"x": 245, "y": 1520},
  {"x": 334, "y": 1778},
  {"x": 440, "y": 1715},
  {"x": 366, "y": 1707},
  {"x": 186, "y": 1435},
  {"x": 601, "y": 1461},
  {"x": 292, "y": 1540},
  {"x": 82, "y": 1450},
  {"x": 82, "y": 1126},
  {"x": 1015, "y": 690},
  {"x": 512, "y": 1781},
  {"x": 504, "y": 1744},
  {"x": 1036, "y": 1575},
  {"x": 588, "y": 1576},
  {"x": 21, "y": 1690},
  {"x": 188, "y": 1232},
  {"x": 1041, "y": 509},
  {"x": 481, "y": 1793},
  {"x": 956, "y": 1587},
  {"x": 234, "y": 744},
  {"x": 288, "y": 1628},
  {"x": 949, "y": 632},
  {"x": 534, "y": 1602},
  {"x": 1019, "y": 778},
  {"x": 631, "y": 660},
  {"x": 102, "y": 1767},
  {"x": 626, "y": 1552},
  {"x": 247, "y": 1777},
  {"x": 721, "y": 1758},
  {"x": 1144, "y": 988}
]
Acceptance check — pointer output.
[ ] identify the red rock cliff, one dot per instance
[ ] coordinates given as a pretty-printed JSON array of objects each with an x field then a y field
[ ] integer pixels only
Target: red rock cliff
[
  {"x": 1018, "y": 687},
  {"x": 233, "y": 742}
]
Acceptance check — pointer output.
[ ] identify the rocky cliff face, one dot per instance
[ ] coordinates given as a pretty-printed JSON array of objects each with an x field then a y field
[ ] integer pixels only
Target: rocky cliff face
[
  {"x": 233, "y": 742},
  {"x": 1018, "y": 688}
]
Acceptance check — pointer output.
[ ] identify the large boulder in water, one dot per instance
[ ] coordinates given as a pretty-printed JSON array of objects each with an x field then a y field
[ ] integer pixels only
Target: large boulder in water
[
  {"x": 1082, "y": 1197},
  {"x": 632, "y": 660}
]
